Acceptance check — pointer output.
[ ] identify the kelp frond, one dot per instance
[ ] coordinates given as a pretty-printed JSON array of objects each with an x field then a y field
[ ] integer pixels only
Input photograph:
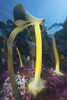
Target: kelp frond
[
  {"x": 28, "y": 17},
  {"x": 33, "y": 19}
]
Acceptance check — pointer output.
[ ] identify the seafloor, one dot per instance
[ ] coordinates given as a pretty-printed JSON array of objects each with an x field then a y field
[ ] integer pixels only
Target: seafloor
[{"x": 55, "y": 88}]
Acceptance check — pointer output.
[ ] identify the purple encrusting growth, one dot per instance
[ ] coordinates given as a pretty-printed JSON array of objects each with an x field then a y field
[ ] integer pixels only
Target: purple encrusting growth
[{"x": 56, "y": 86}]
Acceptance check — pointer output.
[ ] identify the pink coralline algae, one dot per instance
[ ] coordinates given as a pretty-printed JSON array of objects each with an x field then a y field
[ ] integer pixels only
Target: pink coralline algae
[{"x": 56, "y": 87}]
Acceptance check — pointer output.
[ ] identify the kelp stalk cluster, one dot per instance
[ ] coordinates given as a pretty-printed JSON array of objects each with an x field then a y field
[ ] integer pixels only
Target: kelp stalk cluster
[{"x": 36, "y": 84}]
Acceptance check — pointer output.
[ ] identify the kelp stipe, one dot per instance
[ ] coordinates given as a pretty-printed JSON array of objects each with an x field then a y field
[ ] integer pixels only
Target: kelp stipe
[
  {"x": 36, "y": 85},
  {"x": 10, "y": 41},
  {"x": 57, "y": 62},
  {"x": 38, "y": 53},
  {"x": 33, "y": 63},
  {"x": 11, "y": 71},
  {"x": 21, "y": 64}
]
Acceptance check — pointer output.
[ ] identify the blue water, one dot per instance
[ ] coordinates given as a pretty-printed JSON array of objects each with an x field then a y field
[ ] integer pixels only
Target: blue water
[{"x": 52, "y": 10}]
